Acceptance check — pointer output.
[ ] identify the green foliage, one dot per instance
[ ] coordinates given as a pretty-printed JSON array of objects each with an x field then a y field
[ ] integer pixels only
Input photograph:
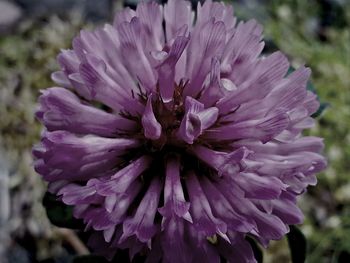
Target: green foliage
[
  {"x": 297, "y": 245},
  {"x": 27, "y": 60},
  {"x": 60, "y": 214},
  {"x": 258, "y": 254}
]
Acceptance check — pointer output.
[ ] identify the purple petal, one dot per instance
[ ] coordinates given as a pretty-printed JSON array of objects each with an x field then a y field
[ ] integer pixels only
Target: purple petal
[
  {"x": 88, "y": 154},
  {"x": 177, "y": 13},
  {"x": 124, "y": 177},
  {"x": 196, "y": 120},
  {"x": 267, "y": 73},
  {"x": 104, "y": 89},
  {"x": 61, "y": 109},
  {"x": 124, "y": 15},
  {"x": 174, "y": 241},
  {"x": 222, "y": 209},
  {"x": 142, "y": 223},
  {"x": 174, "y": 200},
  {"x": 200, "y": 210},
  {"x": 202, "y": 250},
  {"x": 74, "y": 194},
  {"x": 224, "y": 163},
  {"x": 152, "y": 128},
  {"x": 207, "y": 42},
  {"x": 166, "y": 70},
  {"x": 61, "y": 79},
  {"x": 260, "y": 187},
  {"x": 243, "y": 47},
  {"x": 131, "y": 41},
  {"x": 151, "y": 16},
  {"x": 264, "y": 129},
  {"x": 218, "y": 10}
]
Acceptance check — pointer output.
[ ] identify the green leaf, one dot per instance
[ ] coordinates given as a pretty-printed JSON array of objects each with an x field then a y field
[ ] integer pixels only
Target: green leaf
[
  {"x": 258, "y": 254},
  {"x": 59, "y": 213},
  {"x": 323, "y": 106},
  {"x": 297, "y": 245}
]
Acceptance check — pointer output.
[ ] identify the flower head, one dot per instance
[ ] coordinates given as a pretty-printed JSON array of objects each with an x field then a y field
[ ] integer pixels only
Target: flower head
[{"x": 176, "y": 143}]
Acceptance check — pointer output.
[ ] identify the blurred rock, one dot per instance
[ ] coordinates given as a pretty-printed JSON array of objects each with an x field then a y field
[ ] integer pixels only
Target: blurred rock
[
  {"x": 91, "y": 9},
  {"x": 4, "y": 191},
  {"x": 4, "y": 204},
  {"x": 10, "y": 14},
  {"x": 17, "y": 254}
]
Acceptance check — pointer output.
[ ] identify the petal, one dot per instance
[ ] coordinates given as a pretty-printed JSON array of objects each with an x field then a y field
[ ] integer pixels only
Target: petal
[
  {"x": 190, "y": 127},
  {"x": 122, "y": 202},
  {"x": 243, "y": 46},
  {"x": 124, "y": 177},
  {"x": 151, "y": 16},
  {"x": 74, "y": 194},
  {"x": 166, "y": 69},
  {"x": 202, "y": 250},
  {"x": 68, "y": 61},
  {"x": 260, "y": 187},
  {"x": 303, "y": 144},
  {"x": 215, "y": 90},
  {"x": 131, "y": 41},
  {"x": 60, "y": 109},
  {"x": 203, "y": 219},
  {"x": 264, "y": 129},
  {"x": 61, "y": 79},
  {"x": 223, "y": 210},
  {"x": 205, "y": 43},
  {"x": 208, "y": 117},
  {"x": 268, "y": 226},
  {"x": 217, "y": 10},
  {"x": 224, "y": 163},
  {"x": 173, "y": 241},
  {"x": 177, "y": 13},
  {"x": 196, "y": 120},
  {"x": 174, "y": 199},
  {"x": 287, "y": 95},
  {"x": 104, "y": 89},
  {"x": 124, "y": 15},
  {"x": 287, "y": 211},
  {"x": 88, "y": 154},
  {"x": 267, "y": 73},
  {"x": 142, "y": 223},
  {"x": 152, "y": 128}
]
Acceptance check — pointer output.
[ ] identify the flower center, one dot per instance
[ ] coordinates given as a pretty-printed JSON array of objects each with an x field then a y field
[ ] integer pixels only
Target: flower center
[{"x": 169, "y": 116}]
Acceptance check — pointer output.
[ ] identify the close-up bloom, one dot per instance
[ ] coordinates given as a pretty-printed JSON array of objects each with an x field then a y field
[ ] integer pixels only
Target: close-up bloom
[{"x": 172, "y": 136}]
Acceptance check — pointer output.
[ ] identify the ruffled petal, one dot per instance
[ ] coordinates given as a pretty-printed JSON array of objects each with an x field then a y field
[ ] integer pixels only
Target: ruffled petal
[
  {"x": 206, "y": 42},
  {"x": 131, "y": 42},
  {"x": 60, "y": 109},
  {"x": 203, "y": 219},
  {"x": 166, "y": 69},
  {"x": 196, "y": 120},
  {"x": 142, "y": 223},
  {"x": 120, "y": 181},
  {"x": 90, "y": 155},
  {"x": 177, "y": 13},
  {"x": 174, "y": 200},
  {"x": 152, "y": 128}
]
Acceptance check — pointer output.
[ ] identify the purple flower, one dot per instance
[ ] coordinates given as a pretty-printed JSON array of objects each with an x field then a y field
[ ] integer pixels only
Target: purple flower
[{"x": 176, "y": 144}]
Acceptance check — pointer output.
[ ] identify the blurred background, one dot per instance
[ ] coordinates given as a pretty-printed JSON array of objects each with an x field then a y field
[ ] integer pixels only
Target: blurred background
[{"x": 32, "y": 32}]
